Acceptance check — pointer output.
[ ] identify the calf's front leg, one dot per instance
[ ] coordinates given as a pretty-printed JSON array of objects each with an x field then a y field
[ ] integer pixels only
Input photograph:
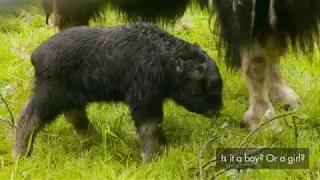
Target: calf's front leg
[{"x": 149, "y": 129}]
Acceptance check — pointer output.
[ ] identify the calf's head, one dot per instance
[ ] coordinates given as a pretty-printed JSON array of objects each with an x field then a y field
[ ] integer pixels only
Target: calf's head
[{"x": 198, "y": 84}]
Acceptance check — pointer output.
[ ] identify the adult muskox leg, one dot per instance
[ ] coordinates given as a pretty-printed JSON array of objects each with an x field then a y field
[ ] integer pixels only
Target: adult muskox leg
[
  {"x": 71, "y": 13},
  {"x": 150, "y": 132},
  {"x": 79, "y": 120},
  {"x": 60, "y": 17},
  {"x": 254, "y": 68},
  {"x": 56, "y": 17},
  {"x": 48, "y": 8},
  {"x": 32, "y": 118},
  {"x": 280, "y": 92}
]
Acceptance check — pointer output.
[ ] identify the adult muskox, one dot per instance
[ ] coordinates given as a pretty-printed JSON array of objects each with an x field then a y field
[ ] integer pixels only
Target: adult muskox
[
  {"x": 69, "y": 13},
  {"x": 138, "y": 64},
  {"x": 256, "y": 34}
]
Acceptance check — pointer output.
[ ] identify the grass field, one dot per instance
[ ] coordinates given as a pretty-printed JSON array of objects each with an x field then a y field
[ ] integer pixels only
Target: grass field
[{"x": 115, "y": 154}]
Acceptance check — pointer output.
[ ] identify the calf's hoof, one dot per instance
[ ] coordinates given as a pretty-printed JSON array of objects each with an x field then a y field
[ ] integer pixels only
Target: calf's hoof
[
  {"x": 85, "y": 131},
  {"x": 19, "y": 152},
  {"x": 148, "y": 157}
]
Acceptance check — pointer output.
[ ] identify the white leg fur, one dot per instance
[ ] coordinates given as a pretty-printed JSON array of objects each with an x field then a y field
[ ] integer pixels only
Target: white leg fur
[
  {"x": 280, "y": 92},
  {"x": 254, "y": 69}
]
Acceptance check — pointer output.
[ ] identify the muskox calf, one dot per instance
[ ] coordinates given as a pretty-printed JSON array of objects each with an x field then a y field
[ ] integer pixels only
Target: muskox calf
[{"x": 138, "y": 64}]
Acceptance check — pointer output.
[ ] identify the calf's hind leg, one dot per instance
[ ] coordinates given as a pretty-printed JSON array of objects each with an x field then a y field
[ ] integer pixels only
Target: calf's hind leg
[
  {"x": 79, "y": 120},
  {"x": 32, "y": 119}
]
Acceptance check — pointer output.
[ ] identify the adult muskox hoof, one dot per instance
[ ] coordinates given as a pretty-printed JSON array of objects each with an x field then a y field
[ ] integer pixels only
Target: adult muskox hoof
[
  {"x": 274, "y": 125},
  {"x": 249, "y": 125},
  {"x": 292, "y": 106},
  {"x": 242, "y": 124}
]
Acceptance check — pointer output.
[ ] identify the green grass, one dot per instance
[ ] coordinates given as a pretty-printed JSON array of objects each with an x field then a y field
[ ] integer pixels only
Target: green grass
[{"x": 60, "y": 154}]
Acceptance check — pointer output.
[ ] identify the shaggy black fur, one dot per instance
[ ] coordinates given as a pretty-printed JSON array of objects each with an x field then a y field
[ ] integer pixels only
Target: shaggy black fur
[
  {"x": 297, "y": 20},
  {"x": 297, "y": 24},
  {"x": 138, "y": 64},
  {"x": 78, "y": 12}
]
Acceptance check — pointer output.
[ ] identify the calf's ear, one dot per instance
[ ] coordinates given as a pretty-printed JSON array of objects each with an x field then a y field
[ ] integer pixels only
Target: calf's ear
[{"x": 179, "y": 65}]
